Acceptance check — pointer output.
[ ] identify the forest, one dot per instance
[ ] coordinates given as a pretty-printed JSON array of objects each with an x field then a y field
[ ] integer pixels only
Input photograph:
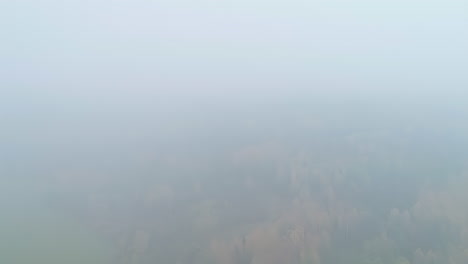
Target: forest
[{"x": 288, "y": 184}]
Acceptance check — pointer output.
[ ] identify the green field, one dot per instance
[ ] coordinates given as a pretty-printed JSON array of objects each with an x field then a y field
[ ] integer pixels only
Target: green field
[{"x": 42, "y": 236}]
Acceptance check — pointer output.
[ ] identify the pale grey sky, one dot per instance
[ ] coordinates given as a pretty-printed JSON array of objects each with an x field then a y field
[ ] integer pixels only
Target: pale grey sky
[{"x": 162, "y": 45}]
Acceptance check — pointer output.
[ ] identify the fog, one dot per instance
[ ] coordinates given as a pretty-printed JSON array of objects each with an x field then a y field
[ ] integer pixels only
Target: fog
[{"x": 234, "y": 132}]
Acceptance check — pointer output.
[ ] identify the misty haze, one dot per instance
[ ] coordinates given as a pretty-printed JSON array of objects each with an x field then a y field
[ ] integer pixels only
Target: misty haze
[{"x": 234, "y": 132}]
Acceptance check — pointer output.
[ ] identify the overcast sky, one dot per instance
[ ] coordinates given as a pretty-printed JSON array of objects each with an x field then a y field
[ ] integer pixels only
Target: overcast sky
[
  {"x": 82, "y": 62},
  {"x": 169, "y": 44}
]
